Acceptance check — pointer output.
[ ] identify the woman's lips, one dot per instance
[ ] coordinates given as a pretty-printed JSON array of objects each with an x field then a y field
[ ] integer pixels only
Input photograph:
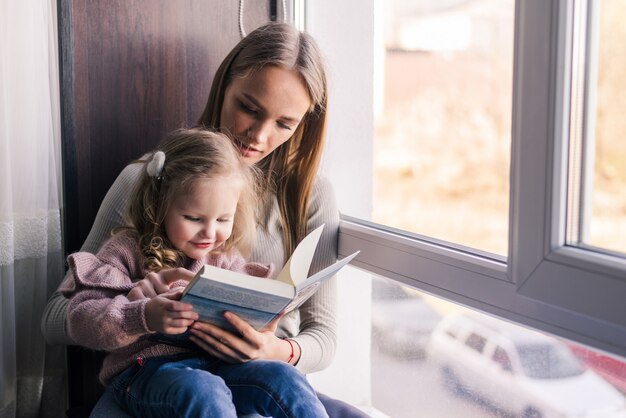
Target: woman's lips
[
  {"x": 245, "y": 149},
  {"x": 248, "y": 152}
]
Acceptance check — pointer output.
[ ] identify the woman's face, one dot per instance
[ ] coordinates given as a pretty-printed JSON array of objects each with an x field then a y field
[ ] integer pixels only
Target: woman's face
[{"x": 263, "y": 110}]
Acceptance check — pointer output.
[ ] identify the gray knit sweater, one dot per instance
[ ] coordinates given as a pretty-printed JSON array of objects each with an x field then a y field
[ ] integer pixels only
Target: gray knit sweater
[{"x": 312, "y": 326}]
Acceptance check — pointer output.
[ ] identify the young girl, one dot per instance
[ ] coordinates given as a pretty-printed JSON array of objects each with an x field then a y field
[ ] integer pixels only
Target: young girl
[{"x": 194, "y": 205}]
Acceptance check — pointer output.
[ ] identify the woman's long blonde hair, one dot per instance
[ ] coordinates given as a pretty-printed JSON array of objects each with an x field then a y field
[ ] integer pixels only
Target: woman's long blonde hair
[
  {"x": 290, "y": 170},
  {"x": 190, "y": 155}
]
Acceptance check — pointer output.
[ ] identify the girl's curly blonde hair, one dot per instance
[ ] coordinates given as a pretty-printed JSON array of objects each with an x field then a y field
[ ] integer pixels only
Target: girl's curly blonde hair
[{"x": 190, "y": 155}]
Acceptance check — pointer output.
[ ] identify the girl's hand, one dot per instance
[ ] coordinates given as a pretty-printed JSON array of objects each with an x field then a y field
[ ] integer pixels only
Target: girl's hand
[
  {"x": 156, "y": 283},
  {"x": 165, "y": 314},
  {"x": 250, "y": 344}
]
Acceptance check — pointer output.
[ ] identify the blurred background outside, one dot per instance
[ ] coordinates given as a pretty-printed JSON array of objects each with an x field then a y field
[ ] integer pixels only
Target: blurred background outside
[
  {"x": 441, "y": 169},
  {"x": 443, "y": 128}
]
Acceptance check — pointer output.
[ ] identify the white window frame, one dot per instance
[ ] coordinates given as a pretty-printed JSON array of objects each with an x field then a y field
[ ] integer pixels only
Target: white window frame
[{"x": 568, "y": 291}]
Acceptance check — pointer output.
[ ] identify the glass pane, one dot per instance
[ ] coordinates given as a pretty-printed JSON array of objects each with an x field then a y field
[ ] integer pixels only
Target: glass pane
[
  {"x": 442, "y": 130},
  {"x": 607, "y": 227},
  {"x": 422, "y": 364}
]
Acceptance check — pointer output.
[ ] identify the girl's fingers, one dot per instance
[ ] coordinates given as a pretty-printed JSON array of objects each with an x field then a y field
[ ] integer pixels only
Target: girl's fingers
[
  {"x": 142, "y": 290},
  {"x": 172, "y": 295},
  {"x": 180, "y": 323},
  {"x": 171, "y": 275},
  {"x": 188, "y": 315},
  {"x": 154, "y": 283},
  {"x": 175, "y": 306},
  {"x": 175, "y": 330}
]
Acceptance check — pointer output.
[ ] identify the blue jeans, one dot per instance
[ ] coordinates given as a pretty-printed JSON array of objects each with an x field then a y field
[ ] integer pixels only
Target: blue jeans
[{"x": 207, "y": 387}]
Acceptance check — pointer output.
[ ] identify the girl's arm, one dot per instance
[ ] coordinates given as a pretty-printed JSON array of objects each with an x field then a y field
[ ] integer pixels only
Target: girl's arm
[
  {"x": 110, "y": 215},
  {"x": 101, "y": 323},
  {"x": 100, "y": 314}
]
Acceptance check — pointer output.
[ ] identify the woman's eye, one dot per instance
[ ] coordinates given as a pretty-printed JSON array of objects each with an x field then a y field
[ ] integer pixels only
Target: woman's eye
[
  {"x": 247, "y": 108},
  {"x": 284, "y": 126}
]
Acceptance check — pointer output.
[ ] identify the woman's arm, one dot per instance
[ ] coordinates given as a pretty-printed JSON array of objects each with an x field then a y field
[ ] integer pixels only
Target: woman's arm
[
  {"x": 317, "y": 336},
  {"x": 109, "y": 216},
  {"x": 312, "y": 327}
]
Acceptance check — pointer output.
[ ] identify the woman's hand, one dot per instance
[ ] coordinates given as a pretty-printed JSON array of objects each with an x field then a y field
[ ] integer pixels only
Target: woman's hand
[
  {"x": 156, "y": 283},
  {"x": 164, "y": 313},
  {"x": 250, "y": 344}
]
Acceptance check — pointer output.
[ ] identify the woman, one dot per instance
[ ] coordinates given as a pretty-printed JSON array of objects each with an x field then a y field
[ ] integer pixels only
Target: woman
[{"x": 270, "y": 94}]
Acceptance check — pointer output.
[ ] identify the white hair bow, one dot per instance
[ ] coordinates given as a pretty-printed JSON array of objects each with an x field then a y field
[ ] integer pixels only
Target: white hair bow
[{"x": 155, "y": 166}]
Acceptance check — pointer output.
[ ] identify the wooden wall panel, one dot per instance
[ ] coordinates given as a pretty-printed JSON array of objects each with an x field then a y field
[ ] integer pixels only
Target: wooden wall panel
[{"x": 131, "y": 71}]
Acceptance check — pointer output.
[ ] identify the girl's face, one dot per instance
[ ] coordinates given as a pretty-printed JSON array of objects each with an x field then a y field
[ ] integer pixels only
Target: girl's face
[
  {"x": 201, "y": 221},
  {"x": 263, "y": 110}
]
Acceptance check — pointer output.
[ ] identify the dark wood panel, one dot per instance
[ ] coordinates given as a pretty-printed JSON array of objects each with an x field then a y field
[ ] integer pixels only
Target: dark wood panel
[{"x": 131, "y": 70}]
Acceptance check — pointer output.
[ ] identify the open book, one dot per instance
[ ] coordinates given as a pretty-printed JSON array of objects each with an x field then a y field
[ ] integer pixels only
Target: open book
[{"x": 259, "y": 300}]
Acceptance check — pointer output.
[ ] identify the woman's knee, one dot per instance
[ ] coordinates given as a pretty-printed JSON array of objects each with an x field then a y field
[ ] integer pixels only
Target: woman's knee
[
  {"x": 192, "y": 382},
  {"x": 274, "y": 388},
  {"x": 280, "y": 373},
  {"x": 275, "y": 366},
  {"x": 198, "y": 393}
]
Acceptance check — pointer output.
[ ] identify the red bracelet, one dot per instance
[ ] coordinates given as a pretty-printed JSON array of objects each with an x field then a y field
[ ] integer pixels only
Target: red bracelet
[{"x": 292, "y": 351}]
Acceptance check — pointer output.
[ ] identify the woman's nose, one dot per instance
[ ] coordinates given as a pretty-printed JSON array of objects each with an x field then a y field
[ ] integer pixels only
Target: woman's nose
[{"x": 260, "y": 132}]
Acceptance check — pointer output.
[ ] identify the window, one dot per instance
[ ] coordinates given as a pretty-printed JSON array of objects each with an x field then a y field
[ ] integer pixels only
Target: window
[
  {"x": 451, "y": 380},
  {"x": 570, "y": 288},
  {"x": 597, "y": 156},
  {"x": 452, "y": 333},
  {"x": 542, "y": 281},
  {"x": 501, "y": 358},
  {"x": 475, "y": 342},
  {"x": 442, "y": 130}
]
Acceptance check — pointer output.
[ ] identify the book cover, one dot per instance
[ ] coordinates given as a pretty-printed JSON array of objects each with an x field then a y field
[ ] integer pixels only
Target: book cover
[{"x": 257, "y": 300}]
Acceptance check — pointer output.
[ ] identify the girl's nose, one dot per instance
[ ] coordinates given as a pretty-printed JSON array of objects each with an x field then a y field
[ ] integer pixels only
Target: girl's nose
[{"x": 209, "y": 230}]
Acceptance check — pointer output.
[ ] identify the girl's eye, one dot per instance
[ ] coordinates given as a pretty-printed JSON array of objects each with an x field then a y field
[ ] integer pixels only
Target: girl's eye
[
  {"x": 192, "y": 218},
  {"x": 224, "y": 220}
]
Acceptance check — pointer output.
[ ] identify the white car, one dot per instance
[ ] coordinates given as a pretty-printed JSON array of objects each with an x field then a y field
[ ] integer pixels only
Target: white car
[
  {"x": 401, "y": 322},
  {"x": 518, "y": 370}
]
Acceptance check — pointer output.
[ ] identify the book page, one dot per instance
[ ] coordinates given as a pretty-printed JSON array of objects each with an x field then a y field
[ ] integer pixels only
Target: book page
[
  {"x": 302, "y": 296},
  {"x": 326, "y": 273},
  {"x": 296, "y": 270},
  {"x": 306, "y": 289},
  {"x": 212, "y": 276},
  {"x": 214, "y": 292}
]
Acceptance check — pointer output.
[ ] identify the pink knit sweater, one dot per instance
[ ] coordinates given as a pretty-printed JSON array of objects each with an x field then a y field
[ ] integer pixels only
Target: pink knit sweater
[{"x": 101, "y": 317}]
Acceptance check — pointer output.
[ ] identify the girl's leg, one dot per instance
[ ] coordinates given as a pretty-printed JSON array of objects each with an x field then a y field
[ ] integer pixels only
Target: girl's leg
[
  {"x": 166, "y": 387},
  {"x": 270, "y": 388}
]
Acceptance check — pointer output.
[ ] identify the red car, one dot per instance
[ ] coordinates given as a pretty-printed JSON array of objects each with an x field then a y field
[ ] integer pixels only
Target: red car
[{"x": 610, "y": 368}]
